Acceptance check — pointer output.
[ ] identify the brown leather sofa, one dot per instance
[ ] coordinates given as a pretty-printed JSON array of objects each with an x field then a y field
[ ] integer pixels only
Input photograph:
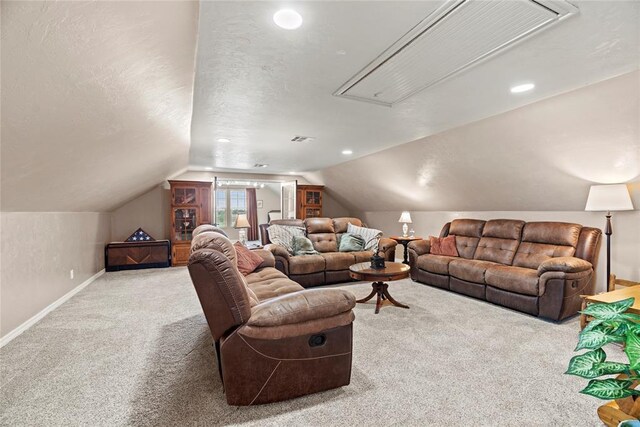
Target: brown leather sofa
[
  {"x": 540, "y": 268},
  {"x": 274, "y": 340},
  {"x": 329, "y": 266}
]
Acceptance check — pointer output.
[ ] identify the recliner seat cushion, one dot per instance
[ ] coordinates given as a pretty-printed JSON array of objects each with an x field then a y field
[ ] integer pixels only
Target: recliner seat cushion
[
  {"x": 335, "y": 261},
  {"x": 438, "y": 264},
  {"x": 513, "y": 279},
  {"x": 362, "y": 256},
  {"x": 306, "y": 264},
  {"x": 470, "y": 270}
]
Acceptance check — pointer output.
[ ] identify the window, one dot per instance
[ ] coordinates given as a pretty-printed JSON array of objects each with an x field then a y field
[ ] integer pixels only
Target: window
[{"x": 229, "y": 204}]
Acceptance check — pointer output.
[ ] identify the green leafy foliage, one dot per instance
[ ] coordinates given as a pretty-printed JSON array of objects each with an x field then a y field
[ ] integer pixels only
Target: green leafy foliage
[
  {"x": 608, "y": 311},
  {"x": 632, "y": 348},
  {"x": 610, "y": 324},
  {"x": 609, "y": 389},
  {"x": 584, "y": 365}
]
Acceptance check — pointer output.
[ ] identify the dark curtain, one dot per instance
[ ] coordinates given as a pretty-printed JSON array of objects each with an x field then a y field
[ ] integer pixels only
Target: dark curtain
[{"x": 252, "y": 215}]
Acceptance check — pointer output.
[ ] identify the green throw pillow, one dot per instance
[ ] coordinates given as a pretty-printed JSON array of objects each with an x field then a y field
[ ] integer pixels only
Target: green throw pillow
[
  {"x": 302, "y": 246},
  {"x": 351, "y": 243}
]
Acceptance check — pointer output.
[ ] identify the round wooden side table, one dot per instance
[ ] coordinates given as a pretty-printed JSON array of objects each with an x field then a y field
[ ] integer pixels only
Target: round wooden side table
[
  {"x": 404, "y": 241},
  {"x": 392, "y": 271}
]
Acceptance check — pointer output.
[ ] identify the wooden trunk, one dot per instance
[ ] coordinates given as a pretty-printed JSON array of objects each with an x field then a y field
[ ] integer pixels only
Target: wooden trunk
[{"x": 137, "y": 255}]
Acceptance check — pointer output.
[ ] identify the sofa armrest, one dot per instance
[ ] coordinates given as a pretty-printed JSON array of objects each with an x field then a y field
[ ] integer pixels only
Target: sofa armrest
[
  {"x": 268, "y": 260},
  {"x": 281, "y": 256},
  {"x": 420, "y": 247},
  {"x": 302, "y": 306},
  {"x": 565, "y": 264},
  {"x": 388, "y": 248}
]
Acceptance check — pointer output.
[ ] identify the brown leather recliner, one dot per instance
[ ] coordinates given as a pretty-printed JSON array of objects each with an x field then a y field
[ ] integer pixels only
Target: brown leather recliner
[
  {"x": 274, "y": 340},
  {"x": 329, "y": 265},
  {"x": 540, "y": 268}
]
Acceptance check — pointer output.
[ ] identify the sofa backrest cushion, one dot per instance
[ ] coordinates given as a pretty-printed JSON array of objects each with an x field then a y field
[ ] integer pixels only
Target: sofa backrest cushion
[
  {"x": 468, "y": 233},
  {"x": 544, "y": 240},
  {"x": 217, "y": 242},
  {"x": 221, "y": 290},
  {"x": 340, "y": 224},
  {"x": 589, "y": 244},
  {"x": 322, "y": 234},
  {"x": 500, "y": 240}
]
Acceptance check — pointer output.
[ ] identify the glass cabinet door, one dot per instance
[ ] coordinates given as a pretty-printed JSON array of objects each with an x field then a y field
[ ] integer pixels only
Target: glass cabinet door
[
  {"x": 312, "y": 213},
  {"x": 312, "y": 197},
  {"x": 184, "y": 221},
  {"x": 184, "y": 196}
]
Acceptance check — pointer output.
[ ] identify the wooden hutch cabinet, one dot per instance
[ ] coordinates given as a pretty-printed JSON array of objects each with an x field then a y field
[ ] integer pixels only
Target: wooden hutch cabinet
[
  {"x": 190, "y": 207},
  {"x": 309, "y": 201}
]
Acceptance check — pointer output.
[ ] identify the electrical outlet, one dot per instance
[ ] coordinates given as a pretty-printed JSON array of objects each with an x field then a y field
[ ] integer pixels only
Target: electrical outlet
[{"x": 71, "y": 274}]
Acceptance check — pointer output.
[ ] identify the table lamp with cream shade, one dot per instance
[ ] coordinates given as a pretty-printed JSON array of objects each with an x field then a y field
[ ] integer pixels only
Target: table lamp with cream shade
[
  {"x": 405, "y": 218},
  {"x": 241, "y": 224},
  {"x": 607, "y": 198}
]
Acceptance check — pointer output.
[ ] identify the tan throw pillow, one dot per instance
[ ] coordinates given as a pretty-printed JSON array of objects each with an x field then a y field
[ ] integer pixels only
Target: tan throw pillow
[
  {"x": 443, "y": 246},
  {"x": 247, "y": 260}
]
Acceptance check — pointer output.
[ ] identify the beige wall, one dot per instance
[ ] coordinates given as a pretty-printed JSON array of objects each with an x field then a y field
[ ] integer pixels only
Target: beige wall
[
  {"x": 540, "y": 157},
  {"x": 149, "y": 211},
  {"x": 625, "y": 241},
  {"x": 37, "y": 251}
]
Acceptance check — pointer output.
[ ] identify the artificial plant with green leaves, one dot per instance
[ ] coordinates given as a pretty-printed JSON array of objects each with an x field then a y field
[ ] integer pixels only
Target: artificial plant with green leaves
[{"x": 611, "y": 324}]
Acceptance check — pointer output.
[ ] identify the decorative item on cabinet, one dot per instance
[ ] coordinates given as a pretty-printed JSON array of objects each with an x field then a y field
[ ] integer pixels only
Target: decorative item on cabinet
[
  {"x": 190, "y": 207},
  {"x": 309, "y": 201}
]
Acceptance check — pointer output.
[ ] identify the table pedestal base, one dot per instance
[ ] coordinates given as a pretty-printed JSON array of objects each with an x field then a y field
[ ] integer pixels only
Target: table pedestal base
[{"x": 381, "y": 289}]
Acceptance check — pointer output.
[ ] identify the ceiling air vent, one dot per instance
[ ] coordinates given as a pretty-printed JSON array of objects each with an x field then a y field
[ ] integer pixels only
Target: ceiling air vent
[
  {"x": 298, "y": 138},
  {"x": 458, "y": 35}
]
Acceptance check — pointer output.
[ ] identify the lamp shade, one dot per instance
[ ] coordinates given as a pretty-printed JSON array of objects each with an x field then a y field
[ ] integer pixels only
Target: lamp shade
[
  {"x": 405, "y": 217},
  {"x": 613, "y": 197},
  {"x": 241, "y": 222}
]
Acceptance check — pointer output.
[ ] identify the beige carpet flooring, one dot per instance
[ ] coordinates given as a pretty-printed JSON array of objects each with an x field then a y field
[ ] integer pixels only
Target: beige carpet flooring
[{"x": 133, "y": 348}]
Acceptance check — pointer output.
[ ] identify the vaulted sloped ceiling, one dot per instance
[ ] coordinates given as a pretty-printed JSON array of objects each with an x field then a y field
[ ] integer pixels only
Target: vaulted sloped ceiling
[
  {"x": 96, "y": 100},
  {"x": 259, "y": 85},
  {"x": 541, "y": 157}
]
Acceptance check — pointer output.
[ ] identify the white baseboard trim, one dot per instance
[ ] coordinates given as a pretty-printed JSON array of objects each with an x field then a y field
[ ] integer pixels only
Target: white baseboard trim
[{"x": 29, "y": 323}]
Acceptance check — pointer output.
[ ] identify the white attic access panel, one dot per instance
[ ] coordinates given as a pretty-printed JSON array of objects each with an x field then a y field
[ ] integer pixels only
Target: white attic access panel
[{"x": 458, "y": 35}]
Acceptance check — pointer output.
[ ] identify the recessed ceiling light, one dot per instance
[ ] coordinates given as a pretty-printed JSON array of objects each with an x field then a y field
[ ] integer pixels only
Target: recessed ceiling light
[
  {"x": 209, "y": 168},
  {"x": 347, "y": 152},
  {"x": 287, "y": 19},
  {"x": 224, "y": 140},
  {"x": 292, "y": 173},
  {"x": 522, "y": 88}
]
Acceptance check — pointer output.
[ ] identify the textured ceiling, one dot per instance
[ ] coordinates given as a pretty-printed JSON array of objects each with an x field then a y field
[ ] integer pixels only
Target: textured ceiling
[
  {"x": 259, "y": 85},
  {"x": 96, "y": 101},
  {"x": 541, "y": 157}
]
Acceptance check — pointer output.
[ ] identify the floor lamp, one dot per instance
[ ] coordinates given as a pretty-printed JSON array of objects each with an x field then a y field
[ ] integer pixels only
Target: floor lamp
[{"x": 607, "y": 198}]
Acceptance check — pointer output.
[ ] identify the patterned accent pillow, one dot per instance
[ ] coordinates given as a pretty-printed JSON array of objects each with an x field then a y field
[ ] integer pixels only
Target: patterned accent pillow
[
  {"x": 443, "y": 246},
  {"x": 370, "y": 236},
  {"x": 283, "y": 235},
  {"x": 248, "y": 261}
]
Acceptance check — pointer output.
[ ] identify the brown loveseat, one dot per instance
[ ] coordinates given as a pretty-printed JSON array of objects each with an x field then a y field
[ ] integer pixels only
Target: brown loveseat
[
  {"x": 274, "y": 340},
  {"x": 329, "y": 266},
  {"x": 540, "y": 268}
]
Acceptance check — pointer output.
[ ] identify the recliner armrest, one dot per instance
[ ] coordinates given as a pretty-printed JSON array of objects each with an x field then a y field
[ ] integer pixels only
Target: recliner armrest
[
  {"x": 420, "y": 247},
  {"x": 278, "y": 250},
  {"x": 566, "y": 264},
  {"x": 268, "y": 260},
  {"x": 385, "y": 244},
  {"x": 301, "y": 307}
]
